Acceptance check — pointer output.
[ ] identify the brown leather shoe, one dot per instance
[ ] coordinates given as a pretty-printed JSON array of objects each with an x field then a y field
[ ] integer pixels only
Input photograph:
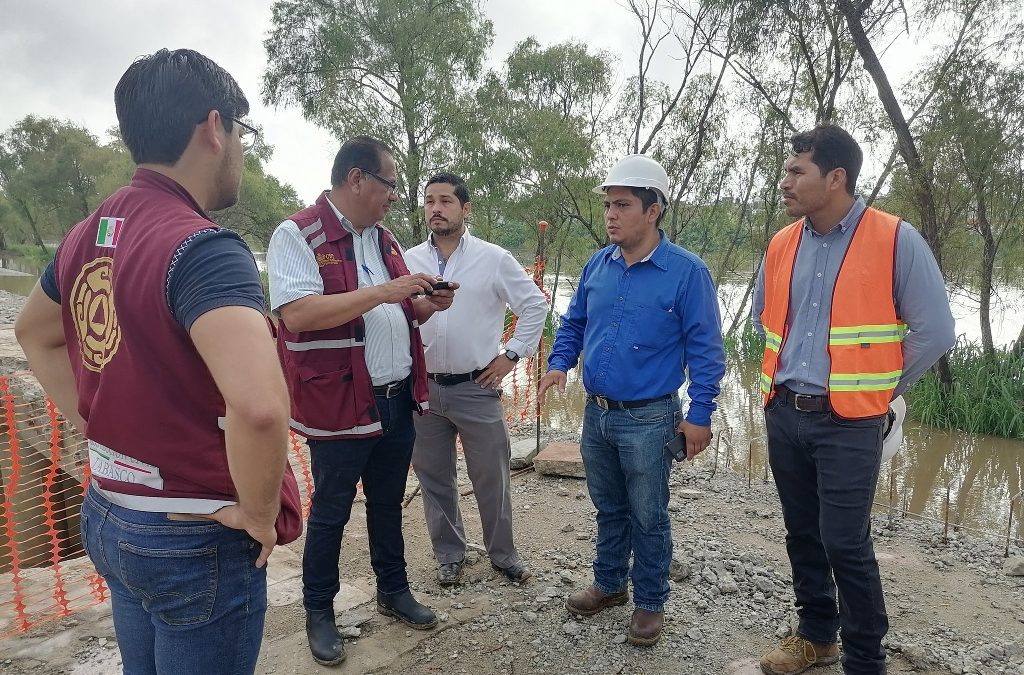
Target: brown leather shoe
[
  {"x": 590, "y": 601},
  {"x": 795, "y": 655},
  {"x": 645, "y": 627}
]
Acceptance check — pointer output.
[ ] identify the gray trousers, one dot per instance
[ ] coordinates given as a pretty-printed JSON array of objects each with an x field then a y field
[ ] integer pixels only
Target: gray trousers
[{"x": 475, "y": 414}]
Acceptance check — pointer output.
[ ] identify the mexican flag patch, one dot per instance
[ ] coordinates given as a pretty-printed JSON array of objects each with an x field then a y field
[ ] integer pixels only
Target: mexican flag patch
[{"x": 109, "y": 231}]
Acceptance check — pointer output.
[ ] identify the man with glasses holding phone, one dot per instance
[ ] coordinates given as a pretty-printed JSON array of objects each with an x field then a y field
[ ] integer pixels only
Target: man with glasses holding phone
[
  {"x": 353, "y": 359},
  {"x": 148, "y": 331}
]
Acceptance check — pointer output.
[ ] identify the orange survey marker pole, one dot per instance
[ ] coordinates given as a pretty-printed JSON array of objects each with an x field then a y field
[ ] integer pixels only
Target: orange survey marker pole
[{"x": 538, "y": 278}]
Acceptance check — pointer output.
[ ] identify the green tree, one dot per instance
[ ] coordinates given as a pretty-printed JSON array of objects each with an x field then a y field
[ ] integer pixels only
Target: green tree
[
  {"x": 48, "y": 173},
  {"x": 536, "y": 136},
  {"x": 398, "y": 70},
  {"x": 263, "y": 203}
]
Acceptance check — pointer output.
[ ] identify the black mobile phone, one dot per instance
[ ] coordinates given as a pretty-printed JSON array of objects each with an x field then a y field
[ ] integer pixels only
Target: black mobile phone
[
  {"x": 677, "y": 447},
  {"x": 442, "y": 286}
]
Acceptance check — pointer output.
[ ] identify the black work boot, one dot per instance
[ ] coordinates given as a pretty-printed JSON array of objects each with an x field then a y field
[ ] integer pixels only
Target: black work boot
[
  {"x": 325, "y": 642},
  {"x": 406, "y": 609}
]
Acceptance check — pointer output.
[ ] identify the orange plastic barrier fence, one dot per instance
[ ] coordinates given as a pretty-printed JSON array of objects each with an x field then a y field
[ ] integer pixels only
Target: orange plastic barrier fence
[{"x": 44, "y": 469}]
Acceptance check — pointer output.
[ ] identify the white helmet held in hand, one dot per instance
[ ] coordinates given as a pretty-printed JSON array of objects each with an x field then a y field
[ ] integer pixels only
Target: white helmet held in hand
[
  {"x": 894, "y": 434},
  {"x": 637, "y": 171}
]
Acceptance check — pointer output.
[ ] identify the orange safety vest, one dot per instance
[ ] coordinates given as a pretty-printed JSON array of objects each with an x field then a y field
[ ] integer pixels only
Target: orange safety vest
[{"x": 865, "y": 335}]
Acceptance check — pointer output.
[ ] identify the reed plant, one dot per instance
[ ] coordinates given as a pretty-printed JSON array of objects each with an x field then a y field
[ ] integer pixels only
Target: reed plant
[{"x": 987, "y": 396}]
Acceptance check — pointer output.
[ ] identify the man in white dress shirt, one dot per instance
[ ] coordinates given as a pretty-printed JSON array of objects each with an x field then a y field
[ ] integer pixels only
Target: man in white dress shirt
[{"x": 466, "y": 363}]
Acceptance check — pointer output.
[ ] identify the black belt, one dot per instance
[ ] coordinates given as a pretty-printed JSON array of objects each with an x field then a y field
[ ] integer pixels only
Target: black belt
[
  {"x": 803, "y": 402},
  {"x": 449, "y": 379},
  {"x": 391, "y": 389},
  {"x": 609, "y": 404}
]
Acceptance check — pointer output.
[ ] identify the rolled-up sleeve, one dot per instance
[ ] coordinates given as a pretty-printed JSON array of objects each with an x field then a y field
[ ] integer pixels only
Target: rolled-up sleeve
[
  {"x": 292, "y": 272},
  {"x": 704, "y": 351},
  {"x": 923, "y": 304}
]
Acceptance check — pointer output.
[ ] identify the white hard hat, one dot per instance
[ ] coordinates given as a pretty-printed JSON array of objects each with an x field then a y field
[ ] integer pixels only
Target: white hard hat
[
  {"x": 894, "y": 437},
  {"x": 637, "y": 171}
]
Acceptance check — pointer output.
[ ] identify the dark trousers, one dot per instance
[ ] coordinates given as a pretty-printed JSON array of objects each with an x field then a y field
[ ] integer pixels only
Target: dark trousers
[
  {"x": 826, "y": 469},
  {"x": 382, "y": 463}
]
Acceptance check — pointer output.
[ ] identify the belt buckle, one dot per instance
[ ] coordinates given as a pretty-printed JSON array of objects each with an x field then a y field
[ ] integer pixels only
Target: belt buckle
[
  {"x": 601, "y": 402},
  {"x": 796, "y": 402},
  {"x": 391, "y": 386}
]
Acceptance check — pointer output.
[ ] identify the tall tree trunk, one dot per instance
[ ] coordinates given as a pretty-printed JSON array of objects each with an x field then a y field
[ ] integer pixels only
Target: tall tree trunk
[
  {"x": 919, "y": 174},
  {"x": 988, "y": 260}
]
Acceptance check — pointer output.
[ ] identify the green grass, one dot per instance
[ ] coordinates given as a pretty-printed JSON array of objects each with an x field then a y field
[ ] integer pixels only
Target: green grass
[
  {"x": 987, "y": 395},
  {"x": 33, "y": 253},
  {"x": 746, "y": 344}
]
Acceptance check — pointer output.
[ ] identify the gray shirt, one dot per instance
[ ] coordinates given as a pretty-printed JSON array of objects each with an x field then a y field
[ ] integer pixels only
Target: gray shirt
[
  {"x": 919, "y": 294},
  {"x": 293, "y": 273}
]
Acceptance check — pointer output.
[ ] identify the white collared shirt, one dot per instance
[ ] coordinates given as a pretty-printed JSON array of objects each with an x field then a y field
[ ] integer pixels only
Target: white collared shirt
[
  {"x": 293, "y": 273},
  {"x": 467, "y": 336}
]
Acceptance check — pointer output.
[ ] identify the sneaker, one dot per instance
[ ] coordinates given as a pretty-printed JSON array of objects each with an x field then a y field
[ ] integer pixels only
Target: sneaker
[
  {"x": 516, "y": 572},
  {"x": 449, "y": 574},
  {"x": 795, "y": 655}
]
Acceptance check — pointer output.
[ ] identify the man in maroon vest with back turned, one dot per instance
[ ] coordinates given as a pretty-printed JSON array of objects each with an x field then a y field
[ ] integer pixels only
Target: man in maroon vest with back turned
[
  {"x": 148, "y": 332},
  {"x": 350, "y": 344}
]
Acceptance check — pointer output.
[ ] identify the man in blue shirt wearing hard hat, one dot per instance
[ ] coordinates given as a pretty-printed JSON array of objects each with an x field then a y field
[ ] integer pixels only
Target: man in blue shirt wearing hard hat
[{"x": 644, "y": 318}]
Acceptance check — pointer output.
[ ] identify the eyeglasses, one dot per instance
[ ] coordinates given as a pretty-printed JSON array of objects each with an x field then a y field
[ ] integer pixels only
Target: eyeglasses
[
  {"x": 248, "y": 135},
  {"x": 393, "y": 187}
]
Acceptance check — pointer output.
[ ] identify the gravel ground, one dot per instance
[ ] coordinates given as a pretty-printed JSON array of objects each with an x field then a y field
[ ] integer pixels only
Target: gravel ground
[{"x": 953, "y": 605}]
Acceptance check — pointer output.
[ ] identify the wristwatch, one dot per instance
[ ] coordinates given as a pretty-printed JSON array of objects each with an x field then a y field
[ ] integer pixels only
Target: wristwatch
[{"x": 511, "y": 355}]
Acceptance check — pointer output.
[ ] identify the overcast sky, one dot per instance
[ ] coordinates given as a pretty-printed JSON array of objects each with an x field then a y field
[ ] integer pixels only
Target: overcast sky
[{"x": 62, "y": 59}]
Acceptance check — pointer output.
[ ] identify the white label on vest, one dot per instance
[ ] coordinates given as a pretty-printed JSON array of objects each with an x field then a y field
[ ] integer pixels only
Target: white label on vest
[{"x": 112, "y": 465}]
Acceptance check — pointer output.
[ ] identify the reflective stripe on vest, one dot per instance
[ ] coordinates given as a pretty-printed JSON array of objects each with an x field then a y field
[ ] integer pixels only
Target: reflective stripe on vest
[
  {"x": 864, "y": 381},
  {"x": 352, "y": 431},
  {"x": 877, "y": 334},
  {"x": 345, "y": 343}
]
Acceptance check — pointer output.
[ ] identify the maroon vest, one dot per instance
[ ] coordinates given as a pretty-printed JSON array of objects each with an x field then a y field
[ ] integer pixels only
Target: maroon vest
[
  {"x": 153, "y": 413},
  {"x": 330, "y": 386}
]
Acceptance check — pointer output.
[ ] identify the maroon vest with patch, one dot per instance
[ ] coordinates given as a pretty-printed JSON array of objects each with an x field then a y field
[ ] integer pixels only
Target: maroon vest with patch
[
  {"x": 330, "y": 386},
  {"x": 153, "y": 413}
]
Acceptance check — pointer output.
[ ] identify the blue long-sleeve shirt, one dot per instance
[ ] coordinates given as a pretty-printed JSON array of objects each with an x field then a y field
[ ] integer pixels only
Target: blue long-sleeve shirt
[
  {"x": 919, "y": 295},
  {"x": 642, "y": 329}
]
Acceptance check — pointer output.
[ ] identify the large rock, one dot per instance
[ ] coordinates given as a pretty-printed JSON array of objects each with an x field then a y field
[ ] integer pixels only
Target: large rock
[
  {"x": 523, "y": 452},
  {"x": 1015, "y": 566},
  {"x": 560, "y": 459}
]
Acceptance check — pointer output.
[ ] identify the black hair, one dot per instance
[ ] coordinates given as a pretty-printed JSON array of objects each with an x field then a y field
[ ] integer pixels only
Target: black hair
[
  {"x": 358, "y": 152},
  {"x": 648, "y": 197},
  {"x": 456, "y": 181},
  {"x": 162, "y": 97},
  {"x": 831, "y": 148}
]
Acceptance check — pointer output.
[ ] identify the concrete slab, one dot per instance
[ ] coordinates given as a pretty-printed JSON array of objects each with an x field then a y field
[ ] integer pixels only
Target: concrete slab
[
  {"x": 524, "y": 451},
  {"x": 560, "y": 459}
]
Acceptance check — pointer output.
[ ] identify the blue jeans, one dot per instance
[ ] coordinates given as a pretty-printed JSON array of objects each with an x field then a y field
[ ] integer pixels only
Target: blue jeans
[
  {"x": 627, "y": 476},
  {"x": 187, "y": 596},
  {"x": 382, "y": 462},
  {"x": 826, "y": 469}
]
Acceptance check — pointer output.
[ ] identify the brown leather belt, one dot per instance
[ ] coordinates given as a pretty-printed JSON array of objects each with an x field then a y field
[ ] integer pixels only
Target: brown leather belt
[
  {"x": 450, "y": 379},
  {"x": 803, "y": 402}
]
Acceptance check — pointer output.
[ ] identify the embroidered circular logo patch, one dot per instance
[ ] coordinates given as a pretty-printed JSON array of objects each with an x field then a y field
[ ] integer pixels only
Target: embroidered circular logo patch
[{"x": 92, "y": 304}]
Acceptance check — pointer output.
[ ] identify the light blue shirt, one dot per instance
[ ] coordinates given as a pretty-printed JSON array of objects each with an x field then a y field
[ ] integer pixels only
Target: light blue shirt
[{"x": 919, "y": 295}]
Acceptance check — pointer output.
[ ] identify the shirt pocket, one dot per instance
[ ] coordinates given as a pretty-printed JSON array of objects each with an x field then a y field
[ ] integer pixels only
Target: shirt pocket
[{"x": 654, "y": 328}]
